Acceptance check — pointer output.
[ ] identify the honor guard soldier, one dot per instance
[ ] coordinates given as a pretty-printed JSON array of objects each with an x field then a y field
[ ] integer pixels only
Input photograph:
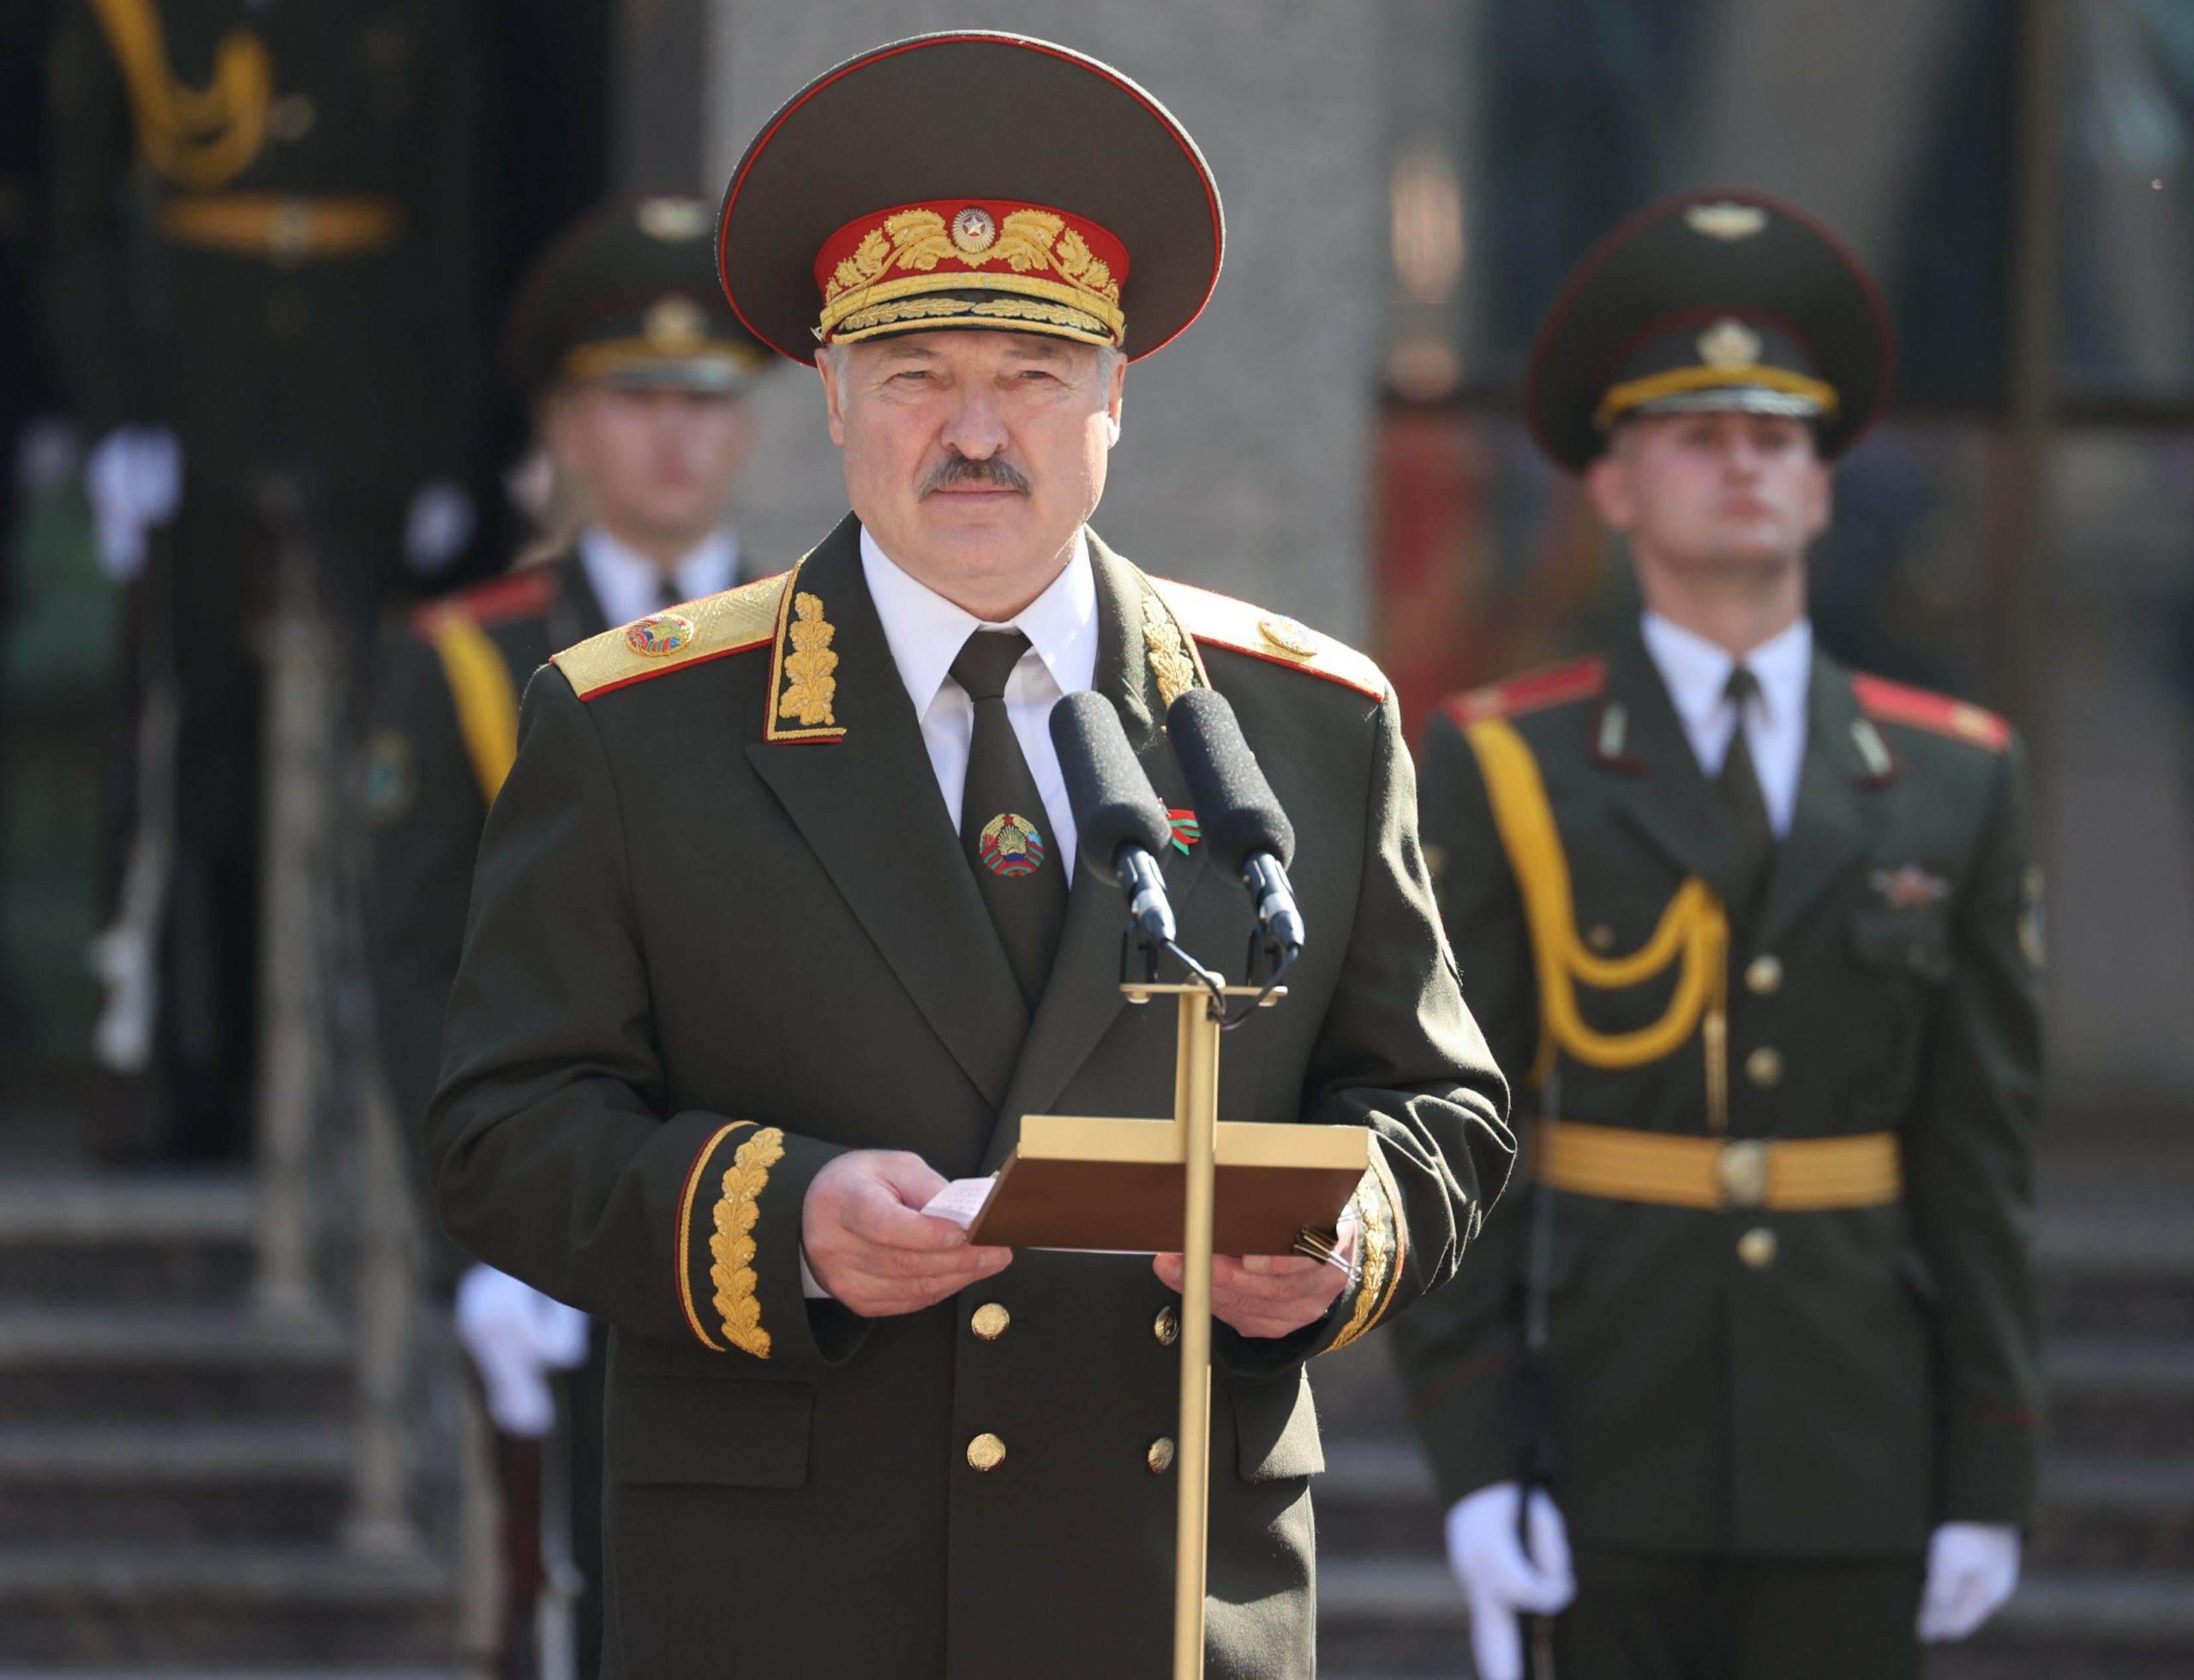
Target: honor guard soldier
[
  {"x": 751, "y": 971},
  {"x": 639, "y": 371},
  {"x": 1761, "y": 936},
  {"x": 263, "y": 224}
]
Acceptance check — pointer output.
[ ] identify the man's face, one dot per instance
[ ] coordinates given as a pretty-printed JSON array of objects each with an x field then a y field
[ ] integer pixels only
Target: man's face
[
  {"x": 974, "y": 457},
  {"x": 658, "y": 465},
  {"x": 1713, "y": 492}
]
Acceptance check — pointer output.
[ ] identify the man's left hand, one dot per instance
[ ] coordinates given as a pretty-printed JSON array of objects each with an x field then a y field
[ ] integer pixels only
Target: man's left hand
[
  {"x": 1269, "y": 1294},
  {"x": 1972, "y": 1568}
]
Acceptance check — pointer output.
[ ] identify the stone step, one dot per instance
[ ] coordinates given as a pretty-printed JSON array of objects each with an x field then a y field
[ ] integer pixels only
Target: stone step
[
  {"x": 1402, "y": 1616},
  {"x": 156, "y": 1240},
  {"x": 2130, "y": 1514},
  {"x": 73, "y": 1484},
  {"x": 2120, "y": 1397},
  {"x": 224, "y": 1608},
  {"x": 2116, "y": 1271},
  {"x": 139, "y": 1364}
]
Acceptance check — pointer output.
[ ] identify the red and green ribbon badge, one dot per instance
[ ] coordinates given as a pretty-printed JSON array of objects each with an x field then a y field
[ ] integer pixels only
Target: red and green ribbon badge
[{"x": 1187, "y": 830}]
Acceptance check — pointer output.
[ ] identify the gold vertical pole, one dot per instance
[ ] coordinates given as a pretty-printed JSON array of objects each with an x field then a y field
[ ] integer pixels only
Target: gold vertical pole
[{"x": 1195, "y": 1109}]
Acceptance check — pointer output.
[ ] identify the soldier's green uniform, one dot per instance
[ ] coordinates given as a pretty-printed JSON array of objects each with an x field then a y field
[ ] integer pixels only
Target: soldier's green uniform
[
  {"x": 1785, "y": 1280},
  {"x": 723, "y": 930},
  {"x": 264, "y": 228},
  {"x": 628, "y": 296}
]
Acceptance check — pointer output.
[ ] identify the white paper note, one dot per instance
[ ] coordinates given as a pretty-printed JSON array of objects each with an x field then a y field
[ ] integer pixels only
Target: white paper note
[{"x": 961, "y": 1200}]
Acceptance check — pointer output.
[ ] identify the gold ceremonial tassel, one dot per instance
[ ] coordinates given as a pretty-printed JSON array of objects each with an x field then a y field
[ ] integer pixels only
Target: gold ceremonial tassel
[{"x": 199, "y": 138}]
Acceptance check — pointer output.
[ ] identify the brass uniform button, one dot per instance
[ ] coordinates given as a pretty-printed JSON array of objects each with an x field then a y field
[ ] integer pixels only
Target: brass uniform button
[
  {"x": 1764, "y": 1067},
  {"x": 1160, "y": 1458},
  {"x": 291, "y": 117},
  {"x": 1763, "y": 975},
  {"x": 985, "y": 1452},
  {"x": 990, "y": 1321},
  {"x": 1756, "y": 1248},
  {"x": 1166, "y": 1327},
  {"x": 1601, "y": 937}
]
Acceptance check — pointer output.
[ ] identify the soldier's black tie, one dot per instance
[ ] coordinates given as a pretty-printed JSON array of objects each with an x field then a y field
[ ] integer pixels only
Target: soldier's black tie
[
  {"x": 1003, "y": 827},
  {"x": 1752, "y": 836}
]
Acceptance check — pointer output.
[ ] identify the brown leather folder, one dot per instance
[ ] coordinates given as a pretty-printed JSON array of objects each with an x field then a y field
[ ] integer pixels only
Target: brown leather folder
[{"x": 1074, "y": 1182}]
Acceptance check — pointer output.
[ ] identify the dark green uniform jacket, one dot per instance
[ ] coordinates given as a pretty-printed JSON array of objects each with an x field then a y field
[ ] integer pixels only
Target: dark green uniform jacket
[
  {"x": 446, "y": 682},
  {"x": 1851, "y": 1378},
  {"x": 265, "y": 223},
  {"x": 721, "y": 931}
]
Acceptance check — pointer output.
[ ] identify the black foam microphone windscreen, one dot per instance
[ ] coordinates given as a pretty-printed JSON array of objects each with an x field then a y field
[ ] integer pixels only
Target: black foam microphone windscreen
[
  {"x": 1112, "y": 798},
  {"x": 1235, "y": 806}
]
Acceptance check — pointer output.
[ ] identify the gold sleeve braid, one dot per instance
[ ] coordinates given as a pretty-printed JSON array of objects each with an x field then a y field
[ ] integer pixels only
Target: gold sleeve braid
[{"x": 1382, "y": 1234}]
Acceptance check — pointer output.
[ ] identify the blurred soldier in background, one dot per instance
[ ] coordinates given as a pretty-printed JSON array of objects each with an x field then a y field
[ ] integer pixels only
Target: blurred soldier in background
[
  {"x": 24, "y": 25},
  {"x": 638, "y": 367},
  {"x": 261, "y": 297},
  {"x": 1764, "y": 935}
]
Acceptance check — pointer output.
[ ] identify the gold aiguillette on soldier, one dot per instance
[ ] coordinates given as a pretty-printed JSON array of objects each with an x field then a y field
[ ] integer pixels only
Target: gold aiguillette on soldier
[{"x": 1074, "y": 1182}]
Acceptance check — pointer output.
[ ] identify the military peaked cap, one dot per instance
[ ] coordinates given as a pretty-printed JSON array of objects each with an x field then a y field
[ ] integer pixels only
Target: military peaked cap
[
  {"x": 970, "y": 180},
  {"x": 1724, "y": 300}
]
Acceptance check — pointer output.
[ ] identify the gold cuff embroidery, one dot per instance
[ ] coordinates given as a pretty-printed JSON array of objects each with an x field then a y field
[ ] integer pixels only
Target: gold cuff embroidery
[
  {"x": 1385, "y": 1244},
  {"x": 685, "y": 1231},
  {"x": 738, "y": 1209}
]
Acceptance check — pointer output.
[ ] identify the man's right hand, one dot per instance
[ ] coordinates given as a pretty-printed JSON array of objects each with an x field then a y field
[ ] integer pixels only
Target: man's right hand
[
  {"x": 1499, "y": 1580},
  {"x": 869, "y": 1244}
]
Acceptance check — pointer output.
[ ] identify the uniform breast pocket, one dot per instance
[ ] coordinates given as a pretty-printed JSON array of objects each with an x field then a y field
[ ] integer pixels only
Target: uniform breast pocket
[
  {"x": 1913, "y": 944},
  {"x": 677, "y": 1431},
  {"x": 1903, "y": 957}
]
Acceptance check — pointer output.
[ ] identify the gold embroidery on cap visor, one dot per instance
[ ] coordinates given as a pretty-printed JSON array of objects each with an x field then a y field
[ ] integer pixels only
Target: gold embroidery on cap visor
[
  {"x": 1048, "y": 260},
  {"x": 1633, "y": 395}
]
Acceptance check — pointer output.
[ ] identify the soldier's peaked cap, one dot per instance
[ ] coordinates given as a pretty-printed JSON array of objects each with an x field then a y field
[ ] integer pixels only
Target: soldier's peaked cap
[
  {"x": 628, "y": 294},
  {"x": 971, "y": 179},
  {"x": 1723, "y": 300}
]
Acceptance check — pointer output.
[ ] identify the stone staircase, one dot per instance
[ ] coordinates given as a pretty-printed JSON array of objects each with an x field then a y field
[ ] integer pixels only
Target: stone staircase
[
  {"x": 2108, "y": 1588},
  {"x": 173, "y": 1472}
]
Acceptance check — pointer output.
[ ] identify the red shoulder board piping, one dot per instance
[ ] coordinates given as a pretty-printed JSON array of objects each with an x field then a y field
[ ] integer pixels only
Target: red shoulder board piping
[
  {"x": 530, "y": 589},
  {"x": 1536, "y": 691},
  {"x": 1940, "y": 714}
]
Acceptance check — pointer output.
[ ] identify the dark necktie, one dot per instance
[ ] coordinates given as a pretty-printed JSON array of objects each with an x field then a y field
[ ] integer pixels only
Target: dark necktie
[
  {"x": 1752, "y": 836},
  {"x": 1003, "y": 827}
]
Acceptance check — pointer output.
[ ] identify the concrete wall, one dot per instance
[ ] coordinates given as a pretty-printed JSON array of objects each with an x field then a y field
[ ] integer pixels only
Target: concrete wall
[{"x": 1243, "y": 462}]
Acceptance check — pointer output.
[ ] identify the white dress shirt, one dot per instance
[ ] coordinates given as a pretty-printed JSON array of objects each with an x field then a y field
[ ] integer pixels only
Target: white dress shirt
[
  {"x": 927, "y": 633},
  {"x": 629, "y": 585},
  {"x": 1697, "y": 672}
]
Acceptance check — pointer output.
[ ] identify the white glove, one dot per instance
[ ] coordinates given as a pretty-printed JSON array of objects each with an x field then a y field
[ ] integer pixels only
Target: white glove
[
  {"x": 1972, "y": 1568},
  {"x": 437, "y": 526},
  {"x": 516, "y": 1336},
  {"x": 134, "y": 479},
  {"x": 1499, "y": 1581}
]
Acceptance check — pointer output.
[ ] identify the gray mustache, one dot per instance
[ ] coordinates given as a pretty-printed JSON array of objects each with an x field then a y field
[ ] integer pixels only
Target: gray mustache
[{"x": 991, "y": 471}]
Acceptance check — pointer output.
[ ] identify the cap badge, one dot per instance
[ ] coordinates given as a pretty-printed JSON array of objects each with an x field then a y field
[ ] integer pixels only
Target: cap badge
[
  {"x": 1297, "y": 641},
  {"x": 676, "y": 323},
  {"x": 1909, "y": 888},
  {"x": 973, "y": 232},
  {"x": 1011, "y": 846},
  {"x": 672, "y": 219},
  {"x": 658, "y": 633},
  {"x": 1730, "y": 344},
  {"x": 1726, "y": 220}
]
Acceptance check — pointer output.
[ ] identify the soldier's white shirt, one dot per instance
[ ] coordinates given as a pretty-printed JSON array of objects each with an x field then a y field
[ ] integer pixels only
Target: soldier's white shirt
[
  {"x": 629, "y": 585},
  {"x": 1697, "y": 672}
]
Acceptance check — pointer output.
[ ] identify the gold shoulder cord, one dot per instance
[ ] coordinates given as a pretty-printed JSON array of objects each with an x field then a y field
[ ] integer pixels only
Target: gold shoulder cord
[
  {"x": 486, "y": 700},
  {"x": 197, "y": 137},
  {"x": 1695, "y": 928}
]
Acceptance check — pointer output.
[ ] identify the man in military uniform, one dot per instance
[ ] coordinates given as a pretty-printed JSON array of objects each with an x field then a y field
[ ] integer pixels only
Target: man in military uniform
[
  {"x": 1761, "y": 936},
  {"x": 741, "y": 990},
  {"x": 639, "y": 370},
  {"x": 262, "y": 296}
]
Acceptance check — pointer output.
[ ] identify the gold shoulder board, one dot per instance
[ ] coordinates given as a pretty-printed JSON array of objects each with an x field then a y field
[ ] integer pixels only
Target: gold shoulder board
[
  {"x": 1223, "y": 621},
  {"x": 733, "y": 621}
]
